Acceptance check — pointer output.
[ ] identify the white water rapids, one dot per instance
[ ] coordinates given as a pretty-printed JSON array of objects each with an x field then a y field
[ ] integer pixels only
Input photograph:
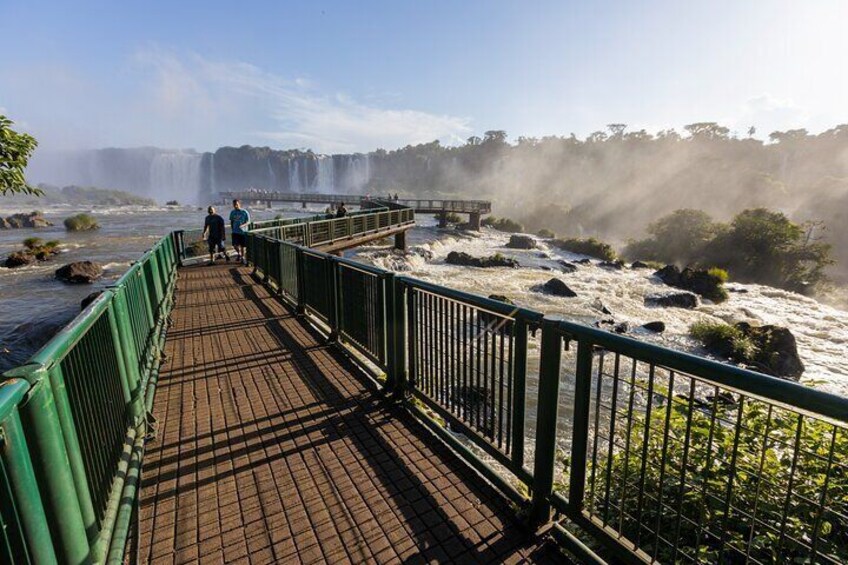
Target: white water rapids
[{"x": 821, "y": 330}]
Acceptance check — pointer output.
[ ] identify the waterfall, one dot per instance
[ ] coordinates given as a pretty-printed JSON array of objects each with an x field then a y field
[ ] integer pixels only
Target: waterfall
[
  {"x": 272, "y": 177},
  {"x": 212, "y": 188},
  {"x": 294, "y": 176},
  {"x": 357, "y": 171},
  {"x": 325, "y": 179},
  {"x": 175, "y": 176}
]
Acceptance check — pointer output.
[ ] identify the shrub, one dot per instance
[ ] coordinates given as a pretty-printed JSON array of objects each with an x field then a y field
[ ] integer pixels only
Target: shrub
[
  {"x": 502, "y": 224},
  {"x": 590, "y": 246},
  {"x": 695, "y": 480},
  {"x": 722, "y": 337},
  {"x": 81, "y": 222},
  {"x": 718, "y": 273},
  {"x": 545, "y": 232},
  {"x": 172, "y": 203},
  {"x": 32, "y": 242},
  {"x": 453, "y": 218}
]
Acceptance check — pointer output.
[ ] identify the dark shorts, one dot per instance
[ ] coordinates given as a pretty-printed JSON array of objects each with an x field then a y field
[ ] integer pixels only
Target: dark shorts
[
  {"x": 239, "y": 239},
  {"x": 216, "y": 245}
]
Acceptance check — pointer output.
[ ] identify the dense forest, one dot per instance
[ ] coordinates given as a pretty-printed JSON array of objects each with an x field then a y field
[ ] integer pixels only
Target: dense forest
[{"x": 615, "y": 183}]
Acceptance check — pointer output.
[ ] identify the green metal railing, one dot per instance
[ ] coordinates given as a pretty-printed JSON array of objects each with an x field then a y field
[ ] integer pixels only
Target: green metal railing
[
  {"x": 661, "y": 456},
  {"x": 74, "y": 421}
]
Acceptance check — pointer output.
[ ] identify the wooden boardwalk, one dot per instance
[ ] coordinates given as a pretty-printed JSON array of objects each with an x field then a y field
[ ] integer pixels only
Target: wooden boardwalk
[{"x": 273, "y": 447}]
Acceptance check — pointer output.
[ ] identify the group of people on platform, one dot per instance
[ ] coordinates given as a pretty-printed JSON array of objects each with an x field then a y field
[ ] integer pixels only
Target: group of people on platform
[{"x": 214, "y": 232}]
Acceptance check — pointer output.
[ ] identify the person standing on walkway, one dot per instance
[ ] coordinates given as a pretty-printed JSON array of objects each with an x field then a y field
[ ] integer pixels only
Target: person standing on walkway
[
  {"x": 342, "y": 211},
  {"x": 215, "y": 235},
  {"x": 239, "y": 220}
]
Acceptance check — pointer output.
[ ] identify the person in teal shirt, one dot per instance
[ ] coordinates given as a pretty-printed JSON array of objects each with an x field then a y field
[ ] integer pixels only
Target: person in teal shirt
[{"x": 239, "y": 220}]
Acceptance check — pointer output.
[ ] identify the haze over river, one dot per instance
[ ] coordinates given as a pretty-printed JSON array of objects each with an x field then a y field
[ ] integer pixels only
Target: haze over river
[{"x": 33, "y": 305}]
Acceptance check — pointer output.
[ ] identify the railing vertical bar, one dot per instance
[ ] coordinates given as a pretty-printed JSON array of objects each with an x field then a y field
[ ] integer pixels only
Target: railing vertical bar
[
  {"x": 613, "y": 408},
  {"x": 519, "y": 388},
  {"x": 580, "y": 428}
]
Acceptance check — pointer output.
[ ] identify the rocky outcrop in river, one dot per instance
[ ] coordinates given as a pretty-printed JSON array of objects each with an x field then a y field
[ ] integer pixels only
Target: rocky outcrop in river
[
  {"x": 80, "y": 272},
  {"x": 466, "y": 260},
  {"x": 18, "y": 221}
]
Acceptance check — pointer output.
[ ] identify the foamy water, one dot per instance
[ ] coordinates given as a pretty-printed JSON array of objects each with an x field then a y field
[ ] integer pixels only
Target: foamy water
[
  {"x": 33, "y": 304},
  {"x": 821, "y": 330}
]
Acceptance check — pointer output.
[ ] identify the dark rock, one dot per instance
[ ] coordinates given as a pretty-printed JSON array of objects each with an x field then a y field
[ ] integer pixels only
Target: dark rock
[
  {"x": 543, "y": 255},
  {"x": 18, "y": 259},
  {"x": 584, "y": 261},
  {"x": 617, "y": 265},
  {"x": 473, "y": 399},
  {"x": 776, "y": 350},
  {"x": 699, "y": 281},
  {"x": 557, "y": 288},
  {"x": 639, "y": 265},
  {"x": 738, "y": 290},
  {"x": 80, "y": 272},
  {"x": 621, "y": 328},
  {"x": 464, "y": 259},
  {"x": 31, "y": 220},
  {"x": 670, "y": 275},
  {"x": 675, "y": 299},
  {"x": 656, "y": 327},
  {"x": 521, "y": 242},
  {"x": 89, "y": 299},
  {"x": 598, "y": 305},
  {"x": 567, "y": 267}
]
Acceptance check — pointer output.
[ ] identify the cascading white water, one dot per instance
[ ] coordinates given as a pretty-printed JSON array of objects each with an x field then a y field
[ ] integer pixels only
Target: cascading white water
[
  {"x": 294, "y": 176},
  {"x": 175, "y": 176},
  {"x": 212, "y": 187},
  {"x": 357, "y": 171},
  {"x": 325, "y": 177},
  {"x": 272, "y": 177}
]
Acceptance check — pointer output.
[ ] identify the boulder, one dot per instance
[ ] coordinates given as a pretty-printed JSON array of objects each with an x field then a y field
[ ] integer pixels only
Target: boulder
[
  {"x": 567, "y": 267},
  {"x": 31, "y": 220},
  {"x": 621, "y": 328},
  {"x": 597, "y": 304},
  {"x": 80, "y": 272},
  {"x": 687, "y": 300},
  {"x": 584, "y": 261},
  {"x": 18, "y": 259},
  {"x": 776, "y": 350},
  {"x": 639, "y": 265},
  {"x": 699, "y": 281},
  {"x": 521, "y": 242},
  {"x": 464, "y": 259},
  {"x": 557, "y": 288},
  {"x": 89, "y": 299},
  {"x": 656, "y": 327},
  {"x": 617, "y": 265}
]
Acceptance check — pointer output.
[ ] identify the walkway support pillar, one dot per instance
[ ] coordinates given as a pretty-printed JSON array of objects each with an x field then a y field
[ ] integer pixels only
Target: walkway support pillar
[
  {"x": 474, "y": 220},
  {"x": 303, "y": 204},
  {"x": 400, "y": 240}
]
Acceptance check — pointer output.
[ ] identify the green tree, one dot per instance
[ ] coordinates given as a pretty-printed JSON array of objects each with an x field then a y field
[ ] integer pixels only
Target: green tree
[
  {"x": 765, "y": 246},
  {"x": 15, "y": 151},
  {"x": 678, "y": 237}
]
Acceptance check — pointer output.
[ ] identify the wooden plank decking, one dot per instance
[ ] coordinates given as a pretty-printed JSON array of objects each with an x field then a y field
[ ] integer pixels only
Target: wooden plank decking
[{"x": 273, "y": 447}]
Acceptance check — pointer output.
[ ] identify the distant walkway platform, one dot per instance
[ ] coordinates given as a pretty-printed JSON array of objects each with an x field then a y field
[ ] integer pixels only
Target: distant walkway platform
[{"x": 273, "y": 447}]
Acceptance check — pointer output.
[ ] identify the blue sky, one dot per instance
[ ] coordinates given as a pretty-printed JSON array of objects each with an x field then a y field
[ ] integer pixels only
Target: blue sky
[{"x": 354, "y": 76}]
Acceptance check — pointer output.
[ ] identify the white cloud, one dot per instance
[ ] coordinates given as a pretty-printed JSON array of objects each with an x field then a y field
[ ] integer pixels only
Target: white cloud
[
  {"x": 770, "y": 113},
  {"x": 205, "y": 95}
]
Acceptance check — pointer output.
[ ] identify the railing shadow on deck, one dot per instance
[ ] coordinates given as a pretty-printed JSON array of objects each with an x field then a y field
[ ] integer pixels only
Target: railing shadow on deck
[{"x": 347, "y": 417}]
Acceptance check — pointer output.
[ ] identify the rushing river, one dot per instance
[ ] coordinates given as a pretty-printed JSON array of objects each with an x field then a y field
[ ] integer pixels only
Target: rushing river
[{"x": 33, "y": 305}]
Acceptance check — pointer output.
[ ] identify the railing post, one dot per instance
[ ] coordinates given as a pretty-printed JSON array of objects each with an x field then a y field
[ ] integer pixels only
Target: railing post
[
  {"x": 397, "y": 334},
  {"x": 335, "y": 298},
  {"x": 178, "y": 237},
  {"x": 580, "y": 429},
  {"x": 120, "y": 323},
  {"x": 301, "y": 281},
  {"x": 546, "y": 423},
  {"x": 519, "y": 386}
]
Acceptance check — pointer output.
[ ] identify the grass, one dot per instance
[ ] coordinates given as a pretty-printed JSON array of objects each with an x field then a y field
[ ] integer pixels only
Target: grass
[
  {"x": 81, "y": 222},
  {"x": 546, "y": 233},
  {"x": 719, "y": 273},
  {"x": 722, "y": 336}
]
